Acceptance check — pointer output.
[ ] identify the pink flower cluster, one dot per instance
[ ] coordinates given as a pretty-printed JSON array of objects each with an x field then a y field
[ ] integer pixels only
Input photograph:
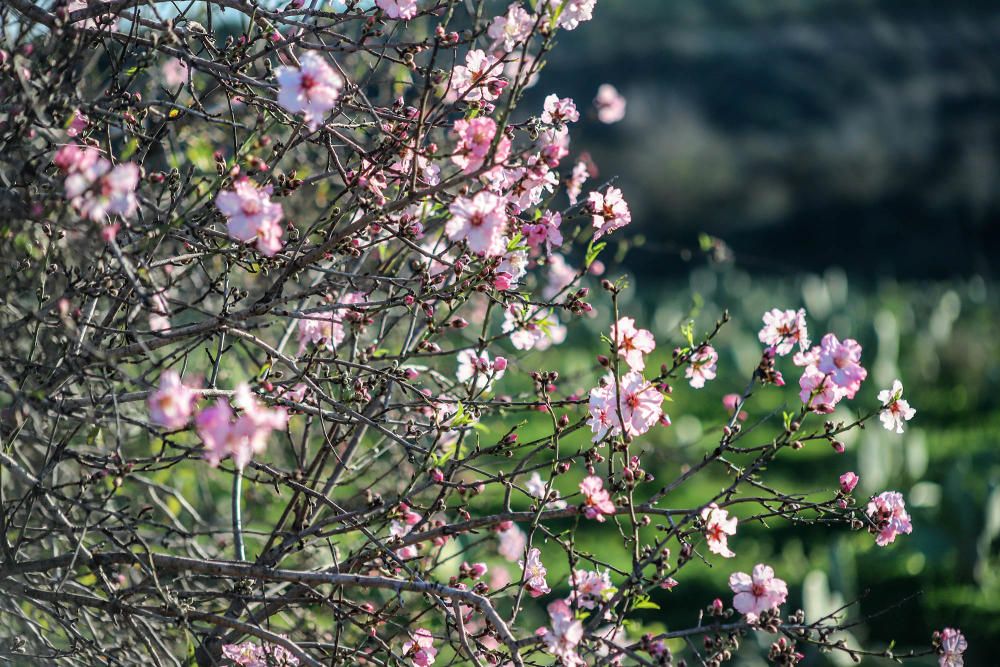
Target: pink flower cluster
[
  {"x": 833, "y": 371},
  {"x": 563, "y": 635},
  {"x": 887, "y": 512},
  {"x": 96, "y": 188},
  {"x": 610, "y": 104},
  {"x": 475, "y": 138},
  {"x": 636, "y": 411},
  {"x": 589, "y": 588},
  {"x": 478, "y": 368},
  {"x": 249, "y": 654},
  {"x": 251, "y": 215},
  {"x": 784, "y": 329},
  {"x": 326, "y": 329},
  {"x": 241, "y": 437}
]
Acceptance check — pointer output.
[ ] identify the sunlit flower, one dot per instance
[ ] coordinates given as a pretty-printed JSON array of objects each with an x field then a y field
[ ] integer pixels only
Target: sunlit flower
[
  {"x": 757, "y": 592},
  {"x": 609, "y": 211},
  {"x": 419, "y": 648},
  {"x": 479, "y": 222},
  {"x": 887, "y": 512},
  {"x": 597, "y": 500},
  {"x": 702, "y": 366},
  {"x": 632, "y": 344},
  {"x": 953, "y": 645},
  {"x": 251, "y": 215},
  {"x": 398, "y": 9},
  {"x": 784, "y": 329},
  {"x": 312, "y": 88},
  {"x": 610, "y": 104},
  {"x": 534, "y": 574},
  {"x": 718, "y": 527},
  {"x": 842, "y": 362},
  {"x": 563, "y": 635},
  {"x": 895, "y": 410},
  {"x": 172, "y": 404}
]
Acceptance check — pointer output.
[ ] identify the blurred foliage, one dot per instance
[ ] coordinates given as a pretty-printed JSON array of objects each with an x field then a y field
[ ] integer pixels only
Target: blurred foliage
[{"x": 806, "y": 133}]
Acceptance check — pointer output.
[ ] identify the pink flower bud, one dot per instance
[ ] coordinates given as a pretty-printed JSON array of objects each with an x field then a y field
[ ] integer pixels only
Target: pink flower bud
[{"x": 848, "y": 481}]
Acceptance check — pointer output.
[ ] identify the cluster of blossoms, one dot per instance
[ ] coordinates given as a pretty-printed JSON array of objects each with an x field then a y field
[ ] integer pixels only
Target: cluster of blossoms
[
  {"x": 95, "y": 187},
  {"x": 224, "y": 434},
  {"x": 249, "y": 654},
  {"x": 251, "y": 216}
]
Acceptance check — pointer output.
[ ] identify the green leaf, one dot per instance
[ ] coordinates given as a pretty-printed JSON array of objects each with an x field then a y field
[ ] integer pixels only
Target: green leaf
[
  {"x": 130, "y": 148},
  {"x": 593, "y": 250}
]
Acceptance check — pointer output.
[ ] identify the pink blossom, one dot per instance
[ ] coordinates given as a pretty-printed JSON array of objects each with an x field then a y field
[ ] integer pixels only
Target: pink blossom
[
  {"x": 478, "y": 78},
  {"x": 953, "y": 645},
  {"x": 574, "y": 12},
  {"x": 895, "y": 410},
  {"x": 175, "y": 72},
  {"x": 539, "y": 330},
  {"x": 475, "y": 138},
  {"x": 478, "y": 368},
  {"x": 887, "y": 512},
  {"x": 640, "y": 406},
  {"x": 609, "y": 211},
  {"x": 588, "y": 589},
  {"x": 575, "y": 184},
  {"x": 98, "y": 189},
  {"x": 323, "y": 329},
  {"x": 251, "y": 215},
  {"x": 78, "y": 124},
  {"x": 544, "y": 231},
  {"x": 75, "y": 158},
  {"x": 702, "y": 366},
  {"x": 511, "y": 29},
  {"x": 783, "y": 329},
  {"x": 597, "y": 501},
  {"x": 534, "y": 574},
  {"x": 818, "y": 391},
  {"x": 563, "y": 635},
  {"x": 718, "y": 527},
  {"x": 842, "y": 361},
  {"x": 512, "y": 543},
  {"x": 398, "y": 9},
  {"x": 312, "y": 88},
  {"x": 558, "y": 111},
  {"x": 242, "y": 438},
  {"x": 848, "y": 481},
  {"x": 757, "y": 592},
  {"x": 419, "y": 648},
  {"x": 479, "y": 222},
  {"x": 536, "y": 487},
  {"x": 610, "y": 104},
  {"x": 172, "y": 404},
  {"x": 631, "y": 343}
]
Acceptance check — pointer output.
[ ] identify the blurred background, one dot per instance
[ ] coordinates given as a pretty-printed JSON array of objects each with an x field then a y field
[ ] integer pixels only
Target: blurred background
[{"x": 839, "y": 156}]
